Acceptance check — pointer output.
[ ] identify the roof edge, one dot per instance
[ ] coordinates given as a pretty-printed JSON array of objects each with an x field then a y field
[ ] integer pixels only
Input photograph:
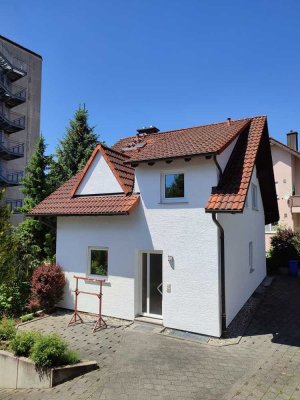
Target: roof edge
[{"x": 21, "y": 47}]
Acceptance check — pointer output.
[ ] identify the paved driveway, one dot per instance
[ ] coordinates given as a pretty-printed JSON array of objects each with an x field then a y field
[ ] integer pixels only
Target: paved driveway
[{"x": 138, "y": 363}]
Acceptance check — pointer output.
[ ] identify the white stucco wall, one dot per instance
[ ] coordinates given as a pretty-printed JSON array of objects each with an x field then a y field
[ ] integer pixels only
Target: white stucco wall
[
  {"x": 99, "y": 179},
  {"x": 183, "y": 231},
  {"x": 240, "y": 229}
]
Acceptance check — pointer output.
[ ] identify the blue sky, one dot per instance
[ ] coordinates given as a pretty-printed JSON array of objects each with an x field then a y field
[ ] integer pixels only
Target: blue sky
[{"x": 169, "y": 63}]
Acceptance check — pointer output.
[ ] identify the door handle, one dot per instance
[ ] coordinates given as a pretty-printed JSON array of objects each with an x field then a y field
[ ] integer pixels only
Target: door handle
[{"x": 158, "y": 288}]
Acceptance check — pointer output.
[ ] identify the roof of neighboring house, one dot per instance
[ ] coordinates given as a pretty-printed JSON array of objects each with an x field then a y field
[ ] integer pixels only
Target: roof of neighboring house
[
  {"x": 252, "y": 148},
  {"x": 61, "y": 203},
  {"x": 198, "y": 140},
  {"x": 284, "y": 147}
]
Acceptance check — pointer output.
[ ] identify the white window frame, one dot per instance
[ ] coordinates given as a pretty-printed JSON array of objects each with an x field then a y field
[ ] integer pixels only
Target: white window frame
[
  {"x": 89, "y": 259},
  {"x": 165, "y": 199},
  {"x": 254, "y": 195}
]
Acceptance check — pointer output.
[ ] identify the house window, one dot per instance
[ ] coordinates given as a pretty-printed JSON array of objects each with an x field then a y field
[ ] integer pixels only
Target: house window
[
  {"x": 98, "y": 261},
  {"x": 173, "y": 186},
  {"x": 271, "y": 228},
  {"x": 254, "y": 197},
  {"x": 251, "y": 257}
]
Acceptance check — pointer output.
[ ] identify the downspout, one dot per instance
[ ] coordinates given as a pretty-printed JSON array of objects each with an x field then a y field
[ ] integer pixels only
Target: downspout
[
  {"x": 222, "y": 257},
  {"x": 222, "y": 272}
]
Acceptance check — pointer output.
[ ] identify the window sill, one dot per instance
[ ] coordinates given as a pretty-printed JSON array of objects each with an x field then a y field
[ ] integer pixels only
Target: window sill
[{"x": 174, "y": 201}]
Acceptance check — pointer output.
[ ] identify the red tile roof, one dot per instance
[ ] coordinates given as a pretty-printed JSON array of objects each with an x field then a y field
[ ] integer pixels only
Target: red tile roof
[
  {"x": 206, "y": 139},
  {"x": 252, "y": 148},
  {"x": 60, "y": 202},
  {"x": 122, "y": 172}
]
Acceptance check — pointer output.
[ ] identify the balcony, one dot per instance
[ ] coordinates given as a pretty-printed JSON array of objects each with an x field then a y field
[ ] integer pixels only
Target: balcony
[
  {"x": 294, "y": 203},
  {"x": 10, "y": 149},
  {"x": 10, "y": 177},
  {"x": 12, "y": 95},
  {"x": 14, "y": 68},
  {"x": 14, "y": 204},
  {"x": 11, "y": 122}
]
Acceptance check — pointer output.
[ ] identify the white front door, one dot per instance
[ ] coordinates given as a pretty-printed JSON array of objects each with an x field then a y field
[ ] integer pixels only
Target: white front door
[{"x": 151, "y": 284}]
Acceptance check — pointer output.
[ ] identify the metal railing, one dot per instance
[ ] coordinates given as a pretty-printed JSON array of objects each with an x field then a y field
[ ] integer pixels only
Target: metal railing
[
  {"x": 14, "y": 62},
  {"x": 11, "y": 146},
  {"x": 13, "y": 89},
  {"x": 294, "y": 201},
  {"x": 11, "y": 176},
  {"x": 13, "y": 118}
]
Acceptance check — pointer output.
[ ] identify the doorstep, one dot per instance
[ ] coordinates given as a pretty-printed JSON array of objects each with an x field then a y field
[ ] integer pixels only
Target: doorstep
[{"x": 149, "y": 320}]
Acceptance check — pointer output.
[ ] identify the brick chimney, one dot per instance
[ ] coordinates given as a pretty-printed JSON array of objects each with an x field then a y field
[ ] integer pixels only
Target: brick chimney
[{"x": 292, "y": 140}]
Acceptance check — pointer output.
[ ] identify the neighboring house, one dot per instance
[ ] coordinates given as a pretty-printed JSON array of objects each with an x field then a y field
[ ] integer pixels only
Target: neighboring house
[
  {"x": 286, "y": 165},
  {"x": 174, "y": 221},
  {"x": 20, "y": 98}
]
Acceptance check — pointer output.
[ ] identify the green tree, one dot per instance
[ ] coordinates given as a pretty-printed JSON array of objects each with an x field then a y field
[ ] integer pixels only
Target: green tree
[
  {"x": 6, "y": 241},
  {"x": 74, "y": 149},
  {"x": 36, "y": 185}
]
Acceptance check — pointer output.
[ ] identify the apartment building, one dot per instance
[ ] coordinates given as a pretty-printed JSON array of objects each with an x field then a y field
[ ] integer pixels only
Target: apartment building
[
  {"x": 20, "y": 98},
  {"x": 286, "y": 165}
]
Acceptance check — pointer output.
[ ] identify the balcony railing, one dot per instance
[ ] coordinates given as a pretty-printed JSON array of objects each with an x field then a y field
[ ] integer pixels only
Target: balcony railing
[
  {"x": 11, "y": 122},
  {"x": 10, "y": 149},
  {"x": 294, "y": 201},
  {"x": 14, "y": 204},
  {"x": 11, "y": 94},
  {"x": 14, "y": 67},
  {"x": 10, "y": 177}
]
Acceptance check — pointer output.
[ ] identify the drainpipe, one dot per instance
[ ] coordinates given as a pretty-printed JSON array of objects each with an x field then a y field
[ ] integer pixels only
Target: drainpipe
[
  {"x": 222, "y": 257},
  {"x": 222, "y": 272}
]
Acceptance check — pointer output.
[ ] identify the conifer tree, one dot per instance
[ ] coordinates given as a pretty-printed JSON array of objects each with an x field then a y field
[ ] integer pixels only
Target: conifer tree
[{"x": 74, "y": 149}]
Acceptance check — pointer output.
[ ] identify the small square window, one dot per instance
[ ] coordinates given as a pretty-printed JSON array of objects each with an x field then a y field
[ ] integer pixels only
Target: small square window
[
  {"x": 173, "y": 186},
  {"x": 254, "y": 197},
  {"x": 98, "y": 261}
]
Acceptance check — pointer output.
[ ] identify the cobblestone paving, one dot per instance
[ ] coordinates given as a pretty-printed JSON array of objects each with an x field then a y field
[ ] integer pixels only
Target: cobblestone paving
[{"x": 141, "y": 364}]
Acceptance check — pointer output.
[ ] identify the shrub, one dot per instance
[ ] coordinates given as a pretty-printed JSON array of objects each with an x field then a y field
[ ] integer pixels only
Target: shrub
[
  {"x": 13, "y": 298},
  {"x": 27, "y": 317},
  {"x": 51, "y": 351},
  {"x": 285, "y": 246},
  {"x": 7, "y": 329},
  {"x": 23, "y": 342},
  {"x": 71, "y": 357},
  {"x": 47, "y": 286}
]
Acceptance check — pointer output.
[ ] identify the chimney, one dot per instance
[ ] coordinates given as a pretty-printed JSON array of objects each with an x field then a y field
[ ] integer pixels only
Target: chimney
[
  {"x": 228, "y": 121},
  {"x": 148, "y": 130},
  {"x": 292, "y": 140}
]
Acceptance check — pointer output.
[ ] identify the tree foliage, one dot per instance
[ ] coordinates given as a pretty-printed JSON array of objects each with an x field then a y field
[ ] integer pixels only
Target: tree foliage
[{"x": 74, "y": 149}]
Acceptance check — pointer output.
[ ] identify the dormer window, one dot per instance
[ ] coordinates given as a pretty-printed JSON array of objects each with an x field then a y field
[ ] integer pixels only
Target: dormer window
[{"x": 173, "y": 187}]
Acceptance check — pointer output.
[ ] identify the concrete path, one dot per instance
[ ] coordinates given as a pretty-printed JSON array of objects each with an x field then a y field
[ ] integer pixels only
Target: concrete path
[{"x": 136, "y": 362}]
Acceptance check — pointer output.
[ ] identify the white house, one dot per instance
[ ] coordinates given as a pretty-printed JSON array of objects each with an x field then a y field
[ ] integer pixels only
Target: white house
[{"x": 173, "y": 221}]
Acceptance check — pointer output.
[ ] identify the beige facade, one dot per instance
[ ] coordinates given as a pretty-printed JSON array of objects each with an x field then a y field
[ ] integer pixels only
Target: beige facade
[
  {"x": 20, "y": 98},
  {"x": 286, "y": 165}
]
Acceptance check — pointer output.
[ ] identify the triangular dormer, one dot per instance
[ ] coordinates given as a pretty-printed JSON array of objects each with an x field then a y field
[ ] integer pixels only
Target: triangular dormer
[{"x": 105, "y": 173}]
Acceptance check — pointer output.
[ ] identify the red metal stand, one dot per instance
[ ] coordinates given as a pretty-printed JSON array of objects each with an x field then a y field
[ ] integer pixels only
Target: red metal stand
[{"x": 100, "y": 323}]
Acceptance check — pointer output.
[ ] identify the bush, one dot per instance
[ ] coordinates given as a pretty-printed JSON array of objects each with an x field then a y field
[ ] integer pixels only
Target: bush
[
  {"x": 23, "y": 342},
  {"x": 52, "y": 351},
  {"x": 47, "y": 286},
  {"x": 7, "y": 329},
  {"x": 285, "y": 246},
  {"x": 13, "y": 298}
]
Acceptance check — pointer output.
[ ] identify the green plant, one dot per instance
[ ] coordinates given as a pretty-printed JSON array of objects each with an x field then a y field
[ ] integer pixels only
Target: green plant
[
  {"x": 71, "y": 357},
  {"x": 285, "y": 246},
  {"x": 27, "y": 317},
  {"x": 7, "y": 329},
  {"x": 51, "y": 351},
  {"x": 23, "y": 342}
]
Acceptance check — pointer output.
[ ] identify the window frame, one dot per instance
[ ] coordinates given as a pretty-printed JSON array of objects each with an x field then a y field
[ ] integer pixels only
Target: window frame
[
  {"x": 89, "y": 260},
  {"x": 254, "y": 197},
  {"x": 165, "y": 199}
]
